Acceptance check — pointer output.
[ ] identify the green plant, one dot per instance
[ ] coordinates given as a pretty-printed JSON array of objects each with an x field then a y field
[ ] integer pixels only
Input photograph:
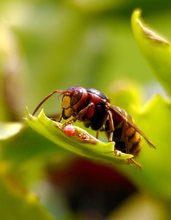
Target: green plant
[{"x": 22, "y": 146}]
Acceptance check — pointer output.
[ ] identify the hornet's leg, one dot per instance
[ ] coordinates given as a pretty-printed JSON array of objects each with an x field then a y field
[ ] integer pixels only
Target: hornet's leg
[
  {"x": 111, "y": 127},
  {"x": 124, "y": 136},
  {"x": 138, "y": 165},
  {"x": 87, "y": 112},
  {"x": 97, "y": 134}
]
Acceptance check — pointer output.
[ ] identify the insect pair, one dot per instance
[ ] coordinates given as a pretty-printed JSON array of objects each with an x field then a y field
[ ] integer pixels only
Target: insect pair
[{"x": 94, "y": 109}]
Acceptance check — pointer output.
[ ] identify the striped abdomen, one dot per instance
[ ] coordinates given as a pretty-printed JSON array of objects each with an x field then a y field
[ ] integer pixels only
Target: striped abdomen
[{"x": 126, "y": 138}]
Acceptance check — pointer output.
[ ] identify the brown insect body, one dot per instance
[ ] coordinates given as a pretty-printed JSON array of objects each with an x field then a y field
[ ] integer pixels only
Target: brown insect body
[
  {"x": 94, "y": 109},
  {"x": 125, "y": 136},
  {"x": 84, "y": 105}
]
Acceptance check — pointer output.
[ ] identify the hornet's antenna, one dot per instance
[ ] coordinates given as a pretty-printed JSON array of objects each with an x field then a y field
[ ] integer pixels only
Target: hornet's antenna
[{"x": 44, "y": 100}]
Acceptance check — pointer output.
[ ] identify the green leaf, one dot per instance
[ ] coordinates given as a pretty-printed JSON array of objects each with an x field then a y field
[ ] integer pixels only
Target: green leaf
[
  {"x": 82, "y": 143},
  {"x": 18, "y": 204},
  {"x": 9, "y": 129},
  {"x": 155, "y": 175},
  {"x": 23, "y": 148},
  {"x": 156, "y": 49}
]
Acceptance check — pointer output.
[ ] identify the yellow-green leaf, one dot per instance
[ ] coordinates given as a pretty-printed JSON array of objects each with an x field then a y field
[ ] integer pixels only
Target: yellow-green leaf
[
  {"x": 155, "y": 176},
  {"x": 18, "y": 204},
  {"x": 82, "y": 143},
  {"x": 9, "y": 129},
  {"x": 156, "y": 49}
]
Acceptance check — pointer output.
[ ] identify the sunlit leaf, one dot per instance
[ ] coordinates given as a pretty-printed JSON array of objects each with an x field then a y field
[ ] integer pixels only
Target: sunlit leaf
[
  {"x": 23, "y": 148},
  {"x": 8, "y": 130},
  {"x": 82, "y": 143},
  {"x": 155, "y": 175},
  {"x": 156, "y": 49}
]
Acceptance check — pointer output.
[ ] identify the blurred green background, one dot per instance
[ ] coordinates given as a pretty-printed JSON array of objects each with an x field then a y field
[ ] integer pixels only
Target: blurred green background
[
  {"x": 57, "y": 44},
  {"x": 48, "y": 45}
]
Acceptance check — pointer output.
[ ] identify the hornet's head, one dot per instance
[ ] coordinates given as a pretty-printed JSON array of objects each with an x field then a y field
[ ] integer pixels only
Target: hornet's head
[{"x": 72, "y": 101}]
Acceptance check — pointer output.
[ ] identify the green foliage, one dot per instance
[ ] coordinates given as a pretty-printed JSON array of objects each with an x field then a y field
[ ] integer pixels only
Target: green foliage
[
  {"x": 9, "y": 130},
  {"x": 23, "y": 205},
  {"x": 156, "y": 162},
  {"x": 156, "y": 49},
  {"x": 154, "y": 118},
  {"x": 59, "y": 44},
  {"x": 82, "y": 143}
]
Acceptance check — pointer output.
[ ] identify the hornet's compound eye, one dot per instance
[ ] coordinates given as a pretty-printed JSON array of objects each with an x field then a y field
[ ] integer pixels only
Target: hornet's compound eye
[
  {"x": 66, "y": 101},
  {"x": 75, "y": 97}
]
